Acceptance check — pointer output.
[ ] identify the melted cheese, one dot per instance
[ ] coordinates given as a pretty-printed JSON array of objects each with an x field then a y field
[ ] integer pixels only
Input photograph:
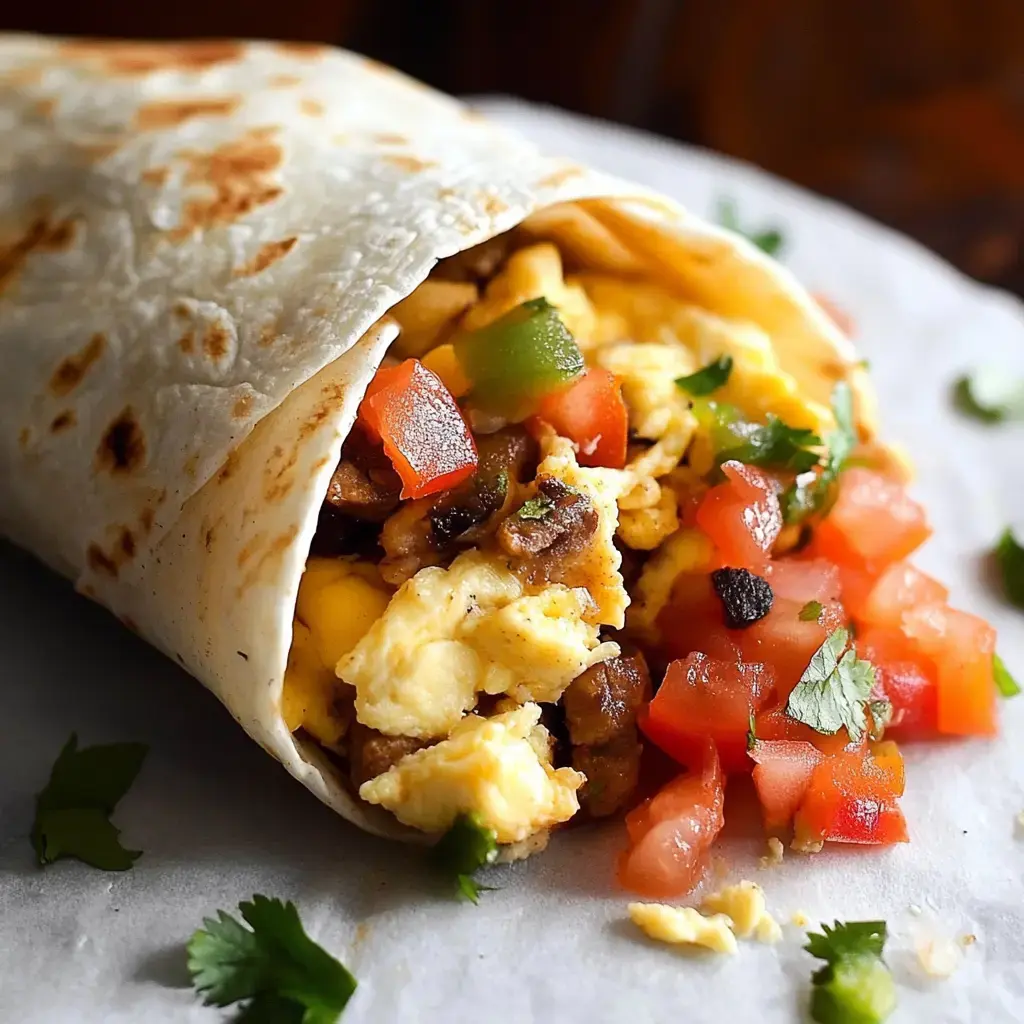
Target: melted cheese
[
  {"x": 683, "y": 926},
  {"x": 489, "y": 767},
  {"x": 450, "y": 633}
]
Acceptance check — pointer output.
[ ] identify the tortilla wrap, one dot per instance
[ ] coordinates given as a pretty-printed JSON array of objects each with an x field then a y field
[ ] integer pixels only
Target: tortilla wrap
[{"x": 199, "y": 244}]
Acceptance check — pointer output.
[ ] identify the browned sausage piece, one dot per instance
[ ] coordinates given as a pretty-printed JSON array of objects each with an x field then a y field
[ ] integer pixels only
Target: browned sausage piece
[
  {"x": 602, "y": 703},
  {"x": 371, "y": 753},
  {"x": 612, "y": 771}
]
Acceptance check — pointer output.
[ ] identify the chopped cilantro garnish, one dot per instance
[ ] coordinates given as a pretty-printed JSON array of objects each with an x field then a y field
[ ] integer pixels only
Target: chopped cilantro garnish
[
  {"x": 769, "y": 240},
  {"x": 775, "y": 445},
  {"x": 881, "y": 716},
  {"x": 1010, "y": 558},
  {"x": 810, "y": 611},
  {"x": 854, "y": 986},
  {"x": 1005, "y": 683},
  {"x": 990, "y": 396},
  {"x": 465, "y": 848},
  {"x": 834, "y": 689},
  {"x": 813, "y": 493},
  {"x": 536, "y": 508},
  {"x": 272, "y": 966},
  {"x": 73, "y": 811},
  {"x": 751, "y": 732},
  {"x": 708, "y": 378}
]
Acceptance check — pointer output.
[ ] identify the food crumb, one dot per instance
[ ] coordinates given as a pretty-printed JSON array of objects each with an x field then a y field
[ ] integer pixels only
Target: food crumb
[
  {"x": 684, "y": 926},
  {"x": 1020, "y": 823},
  {"x": 768, "y": 930},
  {"x": 800, "y": 919},
  {"x": 968, "y": 940},
  {"x": 914, "y": 909},
  {"x": 807, "y": 846},
  {"x": 938, "y": 958},
  {"x": 776, "y": 851}
]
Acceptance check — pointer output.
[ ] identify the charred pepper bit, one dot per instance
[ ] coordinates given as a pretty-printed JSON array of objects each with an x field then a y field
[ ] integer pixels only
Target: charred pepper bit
[{"x": 745, "y": 598}]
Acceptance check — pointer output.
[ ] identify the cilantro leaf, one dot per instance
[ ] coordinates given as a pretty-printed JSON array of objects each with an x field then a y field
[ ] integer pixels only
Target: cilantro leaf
[
  {"x": 881, "y": 716},
  {"x": 751, "y": 733},
  {"x": 1010, "y": 559},
  {"x": 73, "y": 811},
  {"x": 1005, "y": 683},
  {"x": 854, "y": 986},
  {"x": 810, "y": 611},
  {"x": 775, "y": 445},
  {"x": 990, "y": 395},
  {"x": 536, "y": 508},
  {"x": 708, "y": 378},
  {"x": 833, "y": 689},
  {"x": 814, "y": 492},
  {"x": 273, "y": 966},
  {"x": 465, "y": 848},
  {"x": 769, "y": 240}
]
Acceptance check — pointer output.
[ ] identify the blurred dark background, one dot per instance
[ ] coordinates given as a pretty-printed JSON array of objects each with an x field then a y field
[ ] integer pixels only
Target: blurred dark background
[{"x": 911, "y": 110}]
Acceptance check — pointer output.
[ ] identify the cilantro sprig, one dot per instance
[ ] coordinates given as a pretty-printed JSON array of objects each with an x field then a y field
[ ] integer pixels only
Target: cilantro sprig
[
  {"x": 1009, "y": 557},
  {"x": 769, "y": 240},
  {"x": 708, "y": 378},
  {"x": 1005, "y": 683},
  {"x": 775, "y": 445},
  {"x": 465, "y": 848},
  {"x": 810, "y": 611},
  {"x": 813, "y": 493},
  {"x": 538, "y": 507},
  {"x": 990, "y": 396},
  {"x": 73, "y": 811},
  {"x": 834, "y": 689},
  {"x": 854, "y": 986},
  {"x": 273, "y": 966}
]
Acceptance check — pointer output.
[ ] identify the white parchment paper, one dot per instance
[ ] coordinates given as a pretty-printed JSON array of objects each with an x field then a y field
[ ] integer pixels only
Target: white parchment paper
[{"x": 218, "y": 820}]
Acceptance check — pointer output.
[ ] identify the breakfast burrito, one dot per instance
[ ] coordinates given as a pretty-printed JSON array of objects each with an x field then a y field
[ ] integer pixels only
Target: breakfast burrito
[{"x": 434, "y": 458}]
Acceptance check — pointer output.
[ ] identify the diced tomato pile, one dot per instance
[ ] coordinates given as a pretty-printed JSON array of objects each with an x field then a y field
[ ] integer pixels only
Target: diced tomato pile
[{"x": 727, "y": 689}]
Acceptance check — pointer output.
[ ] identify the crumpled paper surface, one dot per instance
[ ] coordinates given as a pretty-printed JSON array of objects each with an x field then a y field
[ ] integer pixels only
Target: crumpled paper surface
[{"x": 218, "y": 820}]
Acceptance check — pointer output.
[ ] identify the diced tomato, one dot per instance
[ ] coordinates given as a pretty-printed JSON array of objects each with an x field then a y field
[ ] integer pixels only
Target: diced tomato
[
  {"x": 423, "y": 432},
  {"x": 701, "y": 697},
  {"x": 888, "y": 759},
  {"x": 855, "y": 585},
  {"x": 908, "y": 680},
  {"x": 960, "y": 646},
  {"x": 873, "y": 523},
  {"x": 742, "y": 516},
  {"x": 781, "y": 776},
  {"x": 804, "y": 579},
  {"x": 852, "y": 799},
  {"x": 670, "y": 833},
  {"x": 786, "y": 642},
  {"x": 773, "y": 723},
  {"x": 899, "y": 589},
  {"x": 693, "y": 620},
  {"x": 591, "y": 413}
]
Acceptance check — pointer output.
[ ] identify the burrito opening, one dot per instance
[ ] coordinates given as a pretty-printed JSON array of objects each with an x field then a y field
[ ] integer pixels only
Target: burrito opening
[{"x": 480, "y": 614}]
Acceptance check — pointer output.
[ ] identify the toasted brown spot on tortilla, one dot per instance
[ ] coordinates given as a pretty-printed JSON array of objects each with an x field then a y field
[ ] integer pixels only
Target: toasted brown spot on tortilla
[
  {"x": 123, "y": 447},
  {"x": 208, "y": 538},
  {"x": 557, "y": 178},
  {"x": 24, "y": 436},
  {"x": 155, "y": 175},
  {"x": 72, "y": 370},
  {"x": 100, "y": 562},
  {"x": 129, "y": 623},
  {"x": 320, "y": 463},
  {"x": 411, "y": 164},
  {"x": 45, "y": 107},
  {"x": 168, "y": 113},
  {"x": 390, "y": 139},
  {"x": 269, "y": 252},
  {"x": 42, "y": 235},
  {"x": 187, "y": 342},
  {"x": 311, "y": 108},
  {"x": 333, "y": 394},
  {"x": 241, "y": 407},
  {"x": 146, "y": 519},
  {"x": 126, "y": 542},
  {"x": 190, "y": 464},
  {"x": 182, "y": 310},
  {"x": 250, "y": 548},
  {"x": 97, "y": 152},
  {"x": 121, "y": 57},
  {"x": 268, "y": 335},
  {"x": 229, "y": 466},
  {"x": 215, "y": 342},
  {"x": 301, "y": 48},
  {"x": 276, "y": 481},
  {"x": 277, "y": 547},
  {"x": 493, "y": 205},
  {"x": 238, "y": 174},
  {"x": 62, "y": 421},
  {"x": 30, "y": 74},
  {"x": 445, "y": 193},
  {"x": 284, "y": 81}
]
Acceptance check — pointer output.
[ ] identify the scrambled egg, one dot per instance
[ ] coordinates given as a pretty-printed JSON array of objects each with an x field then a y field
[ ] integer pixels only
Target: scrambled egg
[
  {"x": 744, "y": 904},
  {"x": 449, "y": 633},
  {"x": 489, "y": 767},
  {"x": 776, "y": 851},
  {"x": 939, "y": 958},
  {"x": 598, "y": 570},
  {"x": 534, "y": 273},
  {"x": 684, "y": 925},
  {"x": 688, "y": 550},
  {"x": 643, "y": 529},
  {"x": 338, "y": 602},
  {"x": 428, "y": 313}
]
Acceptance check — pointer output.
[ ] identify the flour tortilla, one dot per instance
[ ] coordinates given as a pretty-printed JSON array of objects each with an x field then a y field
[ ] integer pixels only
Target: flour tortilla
[{"x": 199, "y": 244}]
